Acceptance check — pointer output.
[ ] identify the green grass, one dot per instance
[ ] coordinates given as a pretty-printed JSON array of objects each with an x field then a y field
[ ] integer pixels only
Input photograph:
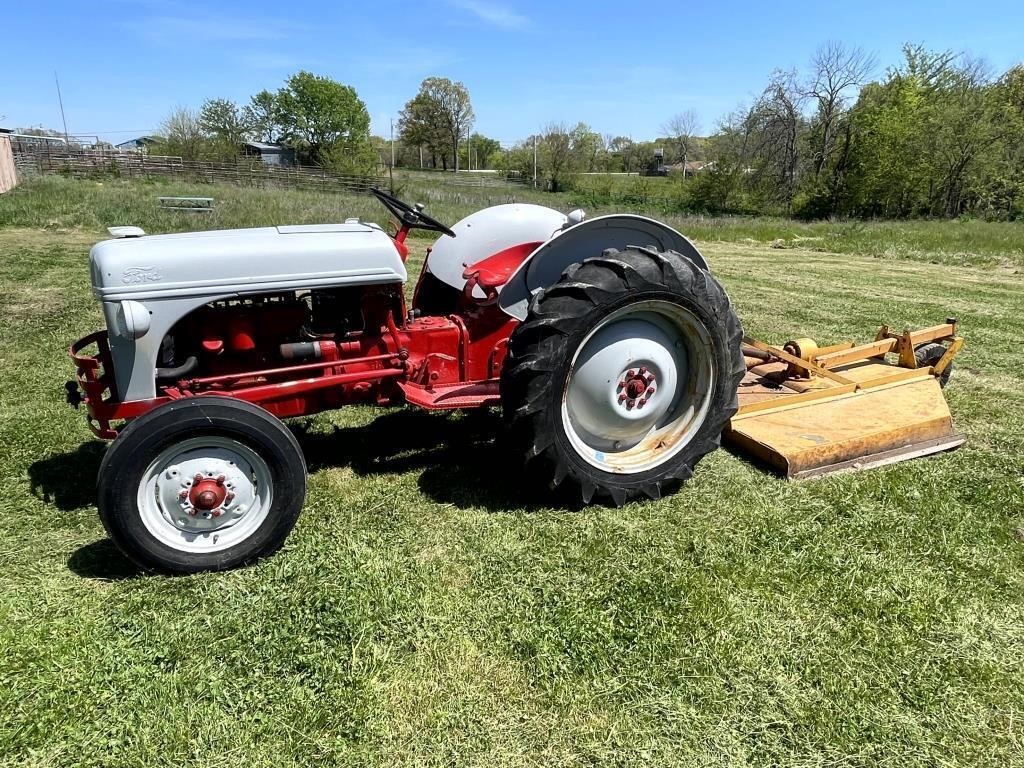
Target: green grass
[
  {"x": 58, "y": 204},
  {"x": 423, "y": 613}
]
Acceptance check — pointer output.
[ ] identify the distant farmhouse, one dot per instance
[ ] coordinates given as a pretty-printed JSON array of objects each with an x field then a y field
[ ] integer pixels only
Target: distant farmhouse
[
  {"x": 270, "y": 154},
  {"x": 141, "y": 143}
]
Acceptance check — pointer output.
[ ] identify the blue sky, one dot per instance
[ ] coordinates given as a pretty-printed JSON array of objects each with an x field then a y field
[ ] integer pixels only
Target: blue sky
[{"x": 624, "y": 68}]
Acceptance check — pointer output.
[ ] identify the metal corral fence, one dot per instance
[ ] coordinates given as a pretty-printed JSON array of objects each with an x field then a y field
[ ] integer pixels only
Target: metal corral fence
[
  {"x": 38, "y": 157},
  {"x": 31, "y": 158}
]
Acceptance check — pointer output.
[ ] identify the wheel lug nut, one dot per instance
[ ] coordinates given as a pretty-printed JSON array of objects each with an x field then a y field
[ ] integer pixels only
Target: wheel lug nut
[
  {"x": 650, "y": 390},
  {"x": 630, "y": 373},
  {"x": 622, "y": 398},
  {"x": 630, "y": 404},
  {"x": 642, "y": 371}
]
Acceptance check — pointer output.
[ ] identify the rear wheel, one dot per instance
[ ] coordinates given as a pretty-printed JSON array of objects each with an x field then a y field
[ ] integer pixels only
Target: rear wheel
[
  {"x": 623, "y": 375},
  {"x": 202, "y": 484}
]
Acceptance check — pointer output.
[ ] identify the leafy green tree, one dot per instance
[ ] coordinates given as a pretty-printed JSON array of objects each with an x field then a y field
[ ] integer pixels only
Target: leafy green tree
[
  {"x": 927, "y": 138},
  {"x": 479, "y": 151},
  {"x": 262, "y": 116},
  {"x": 564, "y": 152},
  {"x": 326, "y": 121},
  {"x": 438, "y": 117},
  {"x": 1002, "y": 193},
  {"x": 420, "y": 125},
  {"x": 224, "y": 125}
]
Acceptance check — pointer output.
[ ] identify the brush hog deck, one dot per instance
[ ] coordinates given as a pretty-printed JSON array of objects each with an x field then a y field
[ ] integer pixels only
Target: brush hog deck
[{"x": 807, "y": 411}]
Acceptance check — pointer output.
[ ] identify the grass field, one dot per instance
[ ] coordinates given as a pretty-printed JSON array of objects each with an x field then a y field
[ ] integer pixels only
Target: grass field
[{"x": 424, "y": 613}]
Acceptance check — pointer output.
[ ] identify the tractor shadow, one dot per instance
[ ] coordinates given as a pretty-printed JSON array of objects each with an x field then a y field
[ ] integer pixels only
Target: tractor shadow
[
  {"x": 102, "y": 561},
  {"x": 459, "y": 457},
  {"x": 68, "y": 480}
]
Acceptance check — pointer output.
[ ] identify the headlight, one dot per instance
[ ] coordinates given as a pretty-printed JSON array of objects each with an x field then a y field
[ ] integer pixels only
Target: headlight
[{"x": 132, "y": 320}]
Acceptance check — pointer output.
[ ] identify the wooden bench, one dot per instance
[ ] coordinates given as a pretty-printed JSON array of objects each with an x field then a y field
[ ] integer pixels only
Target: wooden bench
[{"x": 187, "y": 203}]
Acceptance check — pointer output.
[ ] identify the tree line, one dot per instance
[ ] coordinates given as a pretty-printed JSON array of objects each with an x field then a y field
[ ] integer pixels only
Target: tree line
[{"x": 939, "y": 134}]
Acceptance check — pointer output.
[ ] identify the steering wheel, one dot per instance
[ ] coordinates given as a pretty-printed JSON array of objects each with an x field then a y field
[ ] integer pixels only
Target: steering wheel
[{"x": 412, "y": 217}]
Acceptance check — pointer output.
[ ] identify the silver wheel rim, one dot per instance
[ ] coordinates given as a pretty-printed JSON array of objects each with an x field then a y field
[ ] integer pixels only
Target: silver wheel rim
[
  {"x": 639, "y": 387},
  {"x": 238, "y": 487}
]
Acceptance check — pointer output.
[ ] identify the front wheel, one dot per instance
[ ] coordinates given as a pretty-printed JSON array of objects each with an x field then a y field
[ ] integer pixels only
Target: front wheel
[
  {"x": 623, "y": 374},
  {"x": 203, "y": 484}
]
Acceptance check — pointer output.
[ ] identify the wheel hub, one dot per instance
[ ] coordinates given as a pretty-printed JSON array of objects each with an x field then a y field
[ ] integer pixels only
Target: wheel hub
[
  {"x": 203, "y": 492},
  {"x": 636, "y": 387},
  {"x": 208, "y": 494}
]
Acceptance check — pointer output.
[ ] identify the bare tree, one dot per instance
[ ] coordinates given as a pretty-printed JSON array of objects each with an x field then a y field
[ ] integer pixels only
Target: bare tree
[
  {"x": 776, "y": 122},
  {"x": 681, "y": 130},
  {"x": 836, "y": 72}
]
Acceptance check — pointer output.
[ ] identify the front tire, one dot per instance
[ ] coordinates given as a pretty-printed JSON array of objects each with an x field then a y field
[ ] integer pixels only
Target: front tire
[
  {"x": 203, "y": 484},
  {"x": 623, "y": 375}
]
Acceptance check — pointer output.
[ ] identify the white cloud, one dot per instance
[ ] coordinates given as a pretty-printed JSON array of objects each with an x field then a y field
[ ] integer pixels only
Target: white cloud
[{"x": 492, "y": 13}]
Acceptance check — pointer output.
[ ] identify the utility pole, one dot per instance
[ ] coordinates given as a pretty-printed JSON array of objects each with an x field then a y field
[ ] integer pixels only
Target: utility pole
[
  {"x": 535, "y": 162},
  {"x": 392, "y": 142},
  {"x": 60, "y": 101}
]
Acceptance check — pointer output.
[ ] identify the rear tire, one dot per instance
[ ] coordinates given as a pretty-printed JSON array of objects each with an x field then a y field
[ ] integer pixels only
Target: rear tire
[
  {"x": 623, "y": 375},
  {"x": 203, "y": 484}
]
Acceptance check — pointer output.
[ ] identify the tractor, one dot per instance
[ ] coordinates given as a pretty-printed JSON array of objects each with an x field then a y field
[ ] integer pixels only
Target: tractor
[{"x": 614, "y": 354}]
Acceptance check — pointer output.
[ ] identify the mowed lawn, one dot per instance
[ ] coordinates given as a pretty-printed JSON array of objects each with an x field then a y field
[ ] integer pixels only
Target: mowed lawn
[{"x": 425, "y": 611}]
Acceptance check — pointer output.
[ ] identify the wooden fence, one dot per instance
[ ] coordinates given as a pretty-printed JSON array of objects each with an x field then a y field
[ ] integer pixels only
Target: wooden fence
[
  {"x": 86, "y": 163},
  {"x": 36, "y": 157},
  {"x": 8, "y": 172}
]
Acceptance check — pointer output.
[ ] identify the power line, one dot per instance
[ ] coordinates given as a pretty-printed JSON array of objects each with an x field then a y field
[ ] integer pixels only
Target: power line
[{"x": 123, "y": 130}]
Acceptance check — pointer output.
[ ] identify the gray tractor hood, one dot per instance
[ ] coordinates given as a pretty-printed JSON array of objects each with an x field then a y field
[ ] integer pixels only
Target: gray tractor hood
[{"x": 241, "y": 261}]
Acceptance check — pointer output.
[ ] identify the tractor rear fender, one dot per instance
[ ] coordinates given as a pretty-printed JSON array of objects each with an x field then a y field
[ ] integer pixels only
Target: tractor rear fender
[{"x": 585, "y": 240}]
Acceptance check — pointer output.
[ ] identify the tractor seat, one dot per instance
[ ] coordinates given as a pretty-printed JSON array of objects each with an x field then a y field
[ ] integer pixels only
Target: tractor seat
[{"x": 492, "y": 273}]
